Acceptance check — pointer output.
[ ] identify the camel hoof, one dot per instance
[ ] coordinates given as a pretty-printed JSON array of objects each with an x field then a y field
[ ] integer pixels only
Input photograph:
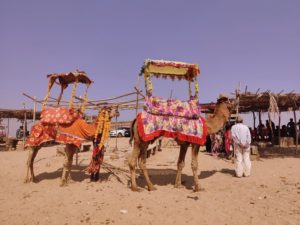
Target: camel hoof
[
  {"x": 27, "y": 180},
  {"x": 178, "y": 186},
  {"x": 152, "y": 188},
  {"x": 63, "y": 183},
  {"x": 31, "y": 179},
  {"x": 135, "y": 189},
  {"x": 198, "y": 188},
  {"x": 34, "y": 180}
]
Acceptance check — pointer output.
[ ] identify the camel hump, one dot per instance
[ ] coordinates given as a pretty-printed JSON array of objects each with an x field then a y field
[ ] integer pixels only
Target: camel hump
[{"x": 61, "y": 116}]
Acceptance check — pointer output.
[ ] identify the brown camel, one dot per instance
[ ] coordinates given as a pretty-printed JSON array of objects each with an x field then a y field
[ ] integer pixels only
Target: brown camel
[
  {"x": 214, "y": 123},
  {"x": 78, "y": 127}
]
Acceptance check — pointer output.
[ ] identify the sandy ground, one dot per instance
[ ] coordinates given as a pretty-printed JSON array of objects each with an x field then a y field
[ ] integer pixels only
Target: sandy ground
[{"x": 270, "y": 196}]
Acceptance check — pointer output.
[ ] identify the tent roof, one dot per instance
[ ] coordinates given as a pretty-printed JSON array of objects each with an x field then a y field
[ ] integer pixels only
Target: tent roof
[
  {"x": 256, "y": 102},
  {"x": 18, "y": 113}
]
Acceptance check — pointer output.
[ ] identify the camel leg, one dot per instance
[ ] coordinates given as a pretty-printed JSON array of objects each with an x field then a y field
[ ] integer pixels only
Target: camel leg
[
  {"x": 32, "y": 152},
  {"x": 132, "y": 165},
  {"x": 194, "y": 164},
  {"x": 142, "y": 165},
  {"x": 69, "y": 150},
  {"x": 180, "y": 164}
]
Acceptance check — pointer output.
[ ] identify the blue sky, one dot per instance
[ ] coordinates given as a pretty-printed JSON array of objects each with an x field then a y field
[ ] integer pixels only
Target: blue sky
[{"x": 254, "y": 42}]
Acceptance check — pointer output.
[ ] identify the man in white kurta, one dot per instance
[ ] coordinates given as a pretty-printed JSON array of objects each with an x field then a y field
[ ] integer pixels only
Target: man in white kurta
[{"x": 241, "y": 139}]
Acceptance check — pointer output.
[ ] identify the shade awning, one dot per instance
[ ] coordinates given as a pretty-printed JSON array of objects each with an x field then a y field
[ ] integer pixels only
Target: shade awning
[
  {"x": 172, "y": 69},
  {"x": 64, "y": 79}
]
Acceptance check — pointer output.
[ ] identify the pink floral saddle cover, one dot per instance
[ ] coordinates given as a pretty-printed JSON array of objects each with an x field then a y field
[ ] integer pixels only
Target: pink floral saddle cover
[
  {"x": 61, "y": 116},
  {"x": 173, "y": 119},
  {"x": 172, "y": 107}
]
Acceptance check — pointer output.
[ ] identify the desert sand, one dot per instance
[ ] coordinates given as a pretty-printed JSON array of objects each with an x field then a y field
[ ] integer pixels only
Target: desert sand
[{"x": 271, "y": 195}]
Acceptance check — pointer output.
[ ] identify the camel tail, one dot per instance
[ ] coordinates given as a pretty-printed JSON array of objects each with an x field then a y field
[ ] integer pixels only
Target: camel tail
[{"x": 131, "y": 132}]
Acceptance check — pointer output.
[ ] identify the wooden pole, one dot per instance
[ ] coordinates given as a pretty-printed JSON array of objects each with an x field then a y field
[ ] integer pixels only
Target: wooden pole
[
  {"x": 271, "y": 129},
  {"x": 34, "y": 109},
  {"x": 259, "y": 117},
  {"x": 260, "y": 130},
  {"x": 7, "y": 134},
  {"x": 296, "y": 133},
  {"x": 116, "y": 147},
  {"x": 137, "y": 103},
  {"x": 237, "y": 94},
  {"x": 279, "y": 133},
  {"x": 254, "y": 119},
  {"x": 24, "y": 128}
]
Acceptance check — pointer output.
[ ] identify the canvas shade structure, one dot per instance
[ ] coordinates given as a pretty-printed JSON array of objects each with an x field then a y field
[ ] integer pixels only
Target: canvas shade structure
[
  {"x": 63, "y": 80},
  {"x": 170, "y": 70},
  {"x": 271, "y": 103}
]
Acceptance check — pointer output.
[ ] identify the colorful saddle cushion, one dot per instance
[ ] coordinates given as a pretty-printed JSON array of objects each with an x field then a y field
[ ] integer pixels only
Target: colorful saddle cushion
[
  {"x": 172, "y": 107},
  {"x": 61, "y": 116}
]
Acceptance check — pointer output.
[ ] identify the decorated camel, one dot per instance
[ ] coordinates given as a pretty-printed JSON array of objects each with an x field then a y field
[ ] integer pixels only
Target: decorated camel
[
  {"x": 175, "y": 119},
  {"x": 65, "y": 125}
]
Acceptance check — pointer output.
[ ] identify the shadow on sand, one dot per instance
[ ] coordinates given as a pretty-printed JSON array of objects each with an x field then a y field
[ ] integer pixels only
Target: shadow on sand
[
  {"x": 228, "y": 171},
  {"x": 162, "y": 177},
  {"x": 277, "y": 152},
  {"x": 77, "y": 174}
]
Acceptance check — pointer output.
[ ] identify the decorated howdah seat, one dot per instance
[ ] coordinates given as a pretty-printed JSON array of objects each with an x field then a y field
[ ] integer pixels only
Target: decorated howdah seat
[
  {"x": 171, "y": 117},
  {"x": 58, "y": 123},
  {"x": 172, "y": 107}
]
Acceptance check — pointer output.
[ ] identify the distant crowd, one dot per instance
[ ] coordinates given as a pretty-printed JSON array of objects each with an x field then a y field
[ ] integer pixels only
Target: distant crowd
[
  {"x": 221, "y": 142},
  {"x": 264, "y": 132}
]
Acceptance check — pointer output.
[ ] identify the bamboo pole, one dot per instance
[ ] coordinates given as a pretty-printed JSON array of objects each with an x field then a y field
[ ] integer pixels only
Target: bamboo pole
[
  {"x": 113, "y": 98},
  {"x": 24, "y": 128},
  {"x": 34, "y": 109},
  {"x": 7, "y": 134},
  {"x": 279, "y": 133},
  {"x": 137, "y": 104},
  {"x": 116, "y": 146},
  {"x": 260, "y": 131},
  {"x": 271, "y": 129},
  {"x": 32, "y": 98},
  {"x": 237, "y": 94},
  {"x": 296, "y": 128},
  {"x": 259, "y": 117},
  {"x": 254, "y": 119}
]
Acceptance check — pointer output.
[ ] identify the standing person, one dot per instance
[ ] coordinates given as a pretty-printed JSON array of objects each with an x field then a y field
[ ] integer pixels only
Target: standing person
[
  {"x": 215, "y": 144},
  {"x": 242, "y": 139},
  {"x": 260, "y": 129},
  {"x": 228, "y": 141},
  {"x": 291, "y": 128},
  {"x": 19, "y": 133}
]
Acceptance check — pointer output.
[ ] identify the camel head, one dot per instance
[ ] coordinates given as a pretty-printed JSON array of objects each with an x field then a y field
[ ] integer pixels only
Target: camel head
[
  {"x": 221, "y": 115},
  {"x": 224, "y": 106},
  {"x": 113, "y": 112}
]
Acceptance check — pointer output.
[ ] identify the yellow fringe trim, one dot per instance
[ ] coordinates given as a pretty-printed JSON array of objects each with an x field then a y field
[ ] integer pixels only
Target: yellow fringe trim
[{"x": 103, "y": 126}]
